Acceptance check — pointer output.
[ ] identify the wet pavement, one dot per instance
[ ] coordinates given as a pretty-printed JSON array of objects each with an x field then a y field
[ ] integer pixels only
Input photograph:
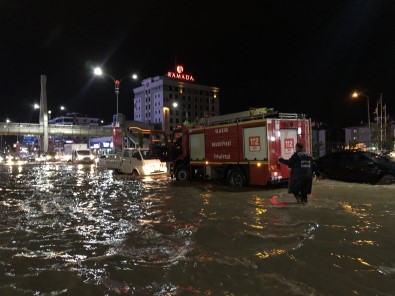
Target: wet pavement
[{"x": 82, "y": 230}]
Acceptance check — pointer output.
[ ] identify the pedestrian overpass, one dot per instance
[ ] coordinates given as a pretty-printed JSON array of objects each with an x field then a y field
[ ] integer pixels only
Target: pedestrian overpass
[
  {"x": 22, "y": 129},
  {"x": 44, "y": 129}
]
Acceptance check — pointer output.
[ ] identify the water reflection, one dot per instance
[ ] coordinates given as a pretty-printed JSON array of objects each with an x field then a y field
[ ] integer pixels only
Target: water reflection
[{"x": 76, "y": 229}]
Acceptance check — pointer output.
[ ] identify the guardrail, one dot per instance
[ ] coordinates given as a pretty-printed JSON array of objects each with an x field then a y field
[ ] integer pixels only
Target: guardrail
[{"x": 13, "y": 128}]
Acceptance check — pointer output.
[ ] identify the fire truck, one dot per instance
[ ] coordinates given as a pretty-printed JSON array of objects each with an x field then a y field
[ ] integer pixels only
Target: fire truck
[{"x": 239, "y": 148}]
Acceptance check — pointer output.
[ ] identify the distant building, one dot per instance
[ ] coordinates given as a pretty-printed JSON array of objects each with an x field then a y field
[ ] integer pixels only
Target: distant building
[
  {"x": 357, "y": 133},
  {"x": 379, "y": 136},
  {"x": 71, "y": 119},
  {"x": 169, "y": 100},
  {"x": 318, "y": 139}
]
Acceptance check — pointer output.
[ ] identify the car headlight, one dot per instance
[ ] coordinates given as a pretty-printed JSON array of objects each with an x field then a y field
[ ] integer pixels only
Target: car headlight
[{"x": 148, "y": 169}]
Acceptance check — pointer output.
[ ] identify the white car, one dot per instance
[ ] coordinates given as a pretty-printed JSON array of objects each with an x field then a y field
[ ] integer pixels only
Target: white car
[{"x": 139, "y": 162}]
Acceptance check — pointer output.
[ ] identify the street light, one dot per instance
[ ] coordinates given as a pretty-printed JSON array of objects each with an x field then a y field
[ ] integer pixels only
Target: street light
[
  {"x": 98, "y": 72},
  {"x": 356, "y": 95},
  {"x": 35, "y": 107}
]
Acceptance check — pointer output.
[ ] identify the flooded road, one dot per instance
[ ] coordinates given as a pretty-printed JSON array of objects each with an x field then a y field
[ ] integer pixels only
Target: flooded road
[{"x": 80, "y": 230}]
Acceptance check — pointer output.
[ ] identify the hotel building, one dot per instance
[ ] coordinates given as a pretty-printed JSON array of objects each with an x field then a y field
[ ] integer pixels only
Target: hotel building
[{"x": 169, "y": 100}]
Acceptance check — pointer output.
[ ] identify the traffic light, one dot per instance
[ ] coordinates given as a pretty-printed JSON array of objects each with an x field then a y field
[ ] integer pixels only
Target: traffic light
[{"x": 117, "y": 83}]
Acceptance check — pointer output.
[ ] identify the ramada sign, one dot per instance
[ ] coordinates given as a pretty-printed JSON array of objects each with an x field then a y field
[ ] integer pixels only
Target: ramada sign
[{"x": 179, "y": 74}]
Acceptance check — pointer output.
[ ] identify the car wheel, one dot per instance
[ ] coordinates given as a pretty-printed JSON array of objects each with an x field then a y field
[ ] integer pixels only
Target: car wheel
[
  {"x": 182, "y": 173},
  {"x": 236, "y": 177},
  {"x": 135, "y": 173},
  {"x": 386, "y": 180}
]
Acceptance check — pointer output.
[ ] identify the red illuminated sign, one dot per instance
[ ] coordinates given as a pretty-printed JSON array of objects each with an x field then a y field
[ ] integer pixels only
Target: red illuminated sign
[
  {"x": 179, "y": 74},
  {"x": 289, "y": 145},
  {"x": 254, "y": 143}
]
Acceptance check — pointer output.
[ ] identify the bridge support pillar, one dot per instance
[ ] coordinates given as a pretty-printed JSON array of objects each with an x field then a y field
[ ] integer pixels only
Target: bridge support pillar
[{"x": 44, "y": 114}]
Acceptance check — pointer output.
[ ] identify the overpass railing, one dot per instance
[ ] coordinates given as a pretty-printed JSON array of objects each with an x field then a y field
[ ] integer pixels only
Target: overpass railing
[{"x": 13, "y": 128}]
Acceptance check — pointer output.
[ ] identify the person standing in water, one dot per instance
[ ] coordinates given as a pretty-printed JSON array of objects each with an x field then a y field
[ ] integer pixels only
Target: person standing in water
[{"x": 302, "y": 168}]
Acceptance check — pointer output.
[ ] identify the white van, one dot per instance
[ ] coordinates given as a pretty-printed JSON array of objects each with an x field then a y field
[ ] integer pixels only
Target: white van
[
  {"x": 139, "y": 162},
  {"x": 82, "y": 156}
]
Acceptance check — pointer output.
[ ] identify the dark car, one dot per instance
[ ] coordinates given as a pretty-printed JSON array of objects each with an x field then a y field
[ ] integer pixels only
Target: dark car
[{"x": 357, "y": 166}]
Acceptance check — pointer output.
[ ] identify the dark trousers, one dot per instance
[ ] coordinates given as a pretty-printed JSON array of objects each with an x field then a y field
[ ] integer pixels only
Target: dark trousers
[{"x": 302, "y": 188}]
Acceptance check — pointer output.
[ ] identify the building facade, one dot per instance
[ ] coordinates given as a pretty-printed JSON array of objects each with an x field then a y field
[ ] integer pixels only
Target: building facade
[{"x": 169, "y": 100}]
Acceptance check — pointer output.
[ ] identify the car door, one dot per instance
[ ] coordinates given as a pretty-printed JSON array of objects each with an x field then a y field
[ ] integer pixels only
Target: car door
[
  {"x": 124, "y": 165},
  {"x": 359, "y": 167},
  {"x": 350, "y": 170},
  {"x": 367, "y": 169},
  {"x": 353, "y": 167}
]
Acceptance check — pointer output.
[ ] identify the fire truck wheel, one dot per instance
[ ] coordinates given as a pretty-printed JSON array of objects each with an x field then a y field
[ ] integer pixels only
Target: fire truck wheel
[
  {"x": 236, "y": 177},
  {"x": 182, "y": 174}
]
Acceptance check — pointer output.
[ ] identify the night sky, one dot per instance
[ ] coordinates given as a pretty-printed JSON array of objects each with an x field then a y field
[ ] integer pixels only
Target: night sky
[{"x": 293, "y": 56}]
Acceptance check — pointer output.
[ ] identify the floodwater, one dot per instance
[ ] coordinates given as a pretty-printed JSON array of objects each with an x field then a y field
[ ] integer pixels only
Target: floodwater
[{"x": 80, "y": 230}]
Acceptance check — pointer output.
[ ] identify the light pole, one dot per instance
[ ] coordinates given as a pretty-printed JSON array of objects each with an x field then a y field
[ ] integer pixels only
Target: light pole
[
  {"x": 7, "y": 121},
  {"x": 35, "y": 107},
  {"x": 98, "y": 72},
  {"x": 356, "y": 95}
]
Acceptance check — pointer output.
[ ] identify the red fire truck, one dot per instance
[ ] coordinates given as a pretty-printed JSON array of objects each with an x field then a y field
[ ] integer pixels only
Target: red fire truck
[{"x": 239, "y": 148}]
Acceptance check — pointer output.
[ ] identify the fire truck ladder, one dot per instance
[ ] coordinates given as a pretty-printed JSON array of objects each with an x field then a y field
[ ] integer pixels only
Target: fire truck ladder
[
  {"x": 291, "y": 116},
  {"x": 253, "y": 113}
]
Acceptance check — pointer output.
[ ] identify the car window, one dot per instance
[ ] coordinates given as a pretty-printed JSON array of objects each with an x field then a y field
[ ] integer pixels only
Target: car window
[
  {"x": 84, "y": 152},
  {"x": 378, "y": 158},
  {"x": 146, "y": 154}
]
